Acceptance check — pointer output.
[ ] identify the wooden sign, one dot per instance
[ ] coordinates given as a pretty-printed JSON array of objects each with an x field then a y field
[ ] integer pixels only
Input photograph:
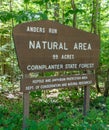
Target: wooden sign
[
  {"x": 51, "y": 46},
  {"x": 31, "y": 84}
]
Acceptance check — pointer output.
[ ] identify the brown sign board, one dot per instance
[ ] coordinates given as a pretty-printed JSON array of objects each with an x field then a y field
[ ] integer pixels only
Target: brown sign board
[
  {"x": 50, "y": 46},
  {"x": 31, "y": 84}
]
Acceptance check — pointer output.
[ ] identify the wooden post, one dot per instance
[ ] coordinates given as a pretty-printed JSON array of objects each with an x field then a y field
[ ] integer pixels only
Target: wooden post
[
  {"x": 86, "y": 100},
  {"x": 25, "y": 108}
]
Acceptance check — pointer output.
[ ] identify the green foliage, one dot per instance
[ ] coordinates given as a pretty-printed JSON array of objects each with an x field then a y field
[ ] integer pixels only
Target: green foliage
[
  {"x": 5, "y": 16},
  {"x": 36, "y": 94},
  {"x": 54, "y": 114},
  {"x": 10, "y": 118},
  {"x": 26, "y": 1}
]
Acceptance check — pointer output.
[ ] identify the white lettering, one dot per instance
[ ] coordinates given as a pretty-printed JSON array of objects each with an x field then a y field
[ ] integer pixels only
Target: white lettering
[
  {"x": 38, "y": 81},
  {"x": 29, "y": 88},
  {"x": 44, "y": 44},
  {"x": 47, "y": 45},
  {"x": 70, "y": 66},
  {"x": 82, "y": 46},
  {"x": 85, "y": 82},
  {"x": 35, "y": 29},
  {"x": 58, "y": 79},
  {"x": 72, "y": 83},
  {"x": 55, "y": 45},
  {"x": 38, "y": 46},
  {"x": 44, "y": 67},
  {"x": 50, "y": 86},
  {"x": 47, "y": 80},
  {"x": 90, "y": 65},
  {"x": 52, "y": 30},
  {"x": 36, "y": 67},
  {"x": 67, "y": 56},
  {"x": 73, "y": 78},
  {"x": 31, "y": 44},
  {"x": 54, "y": 67}
]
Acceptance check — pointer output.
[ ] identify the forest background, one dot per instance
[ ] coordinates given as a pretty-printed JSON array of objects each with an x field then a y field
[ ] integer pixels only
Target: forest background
[{"x": 91, "y": 16}]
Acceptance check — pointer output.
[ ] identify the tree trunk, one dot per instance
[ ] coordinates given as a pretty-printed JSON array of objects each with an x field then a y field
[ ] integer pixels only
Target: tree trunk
[
  {"x": 95, "y": 23},
  {"x": 56, "y": 12},
  {"x": 95, "y": 29},
  {"x": 97, "y": 82},
  {"x": 106, "y": 92},
  {"x": 75, "y": 14}
]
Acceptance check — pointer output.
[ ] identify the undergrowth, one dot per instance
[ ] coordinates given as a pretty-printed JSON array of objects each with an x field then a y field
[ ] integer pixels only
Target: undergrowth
[{"x": 59, "y": 113}]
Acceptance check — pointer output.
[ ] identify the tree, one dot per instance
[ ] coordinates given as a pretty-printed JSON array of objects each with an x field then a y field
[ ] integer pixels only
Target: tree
[{"x": 75, "y": 13}]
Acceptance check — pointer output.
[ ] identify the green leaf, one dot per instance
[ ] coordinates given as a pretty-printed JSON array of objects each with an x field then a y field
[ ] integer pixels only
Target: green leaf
[
  {"x": 26, "y": 1},
  {"x": 38, "y": 2}
]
